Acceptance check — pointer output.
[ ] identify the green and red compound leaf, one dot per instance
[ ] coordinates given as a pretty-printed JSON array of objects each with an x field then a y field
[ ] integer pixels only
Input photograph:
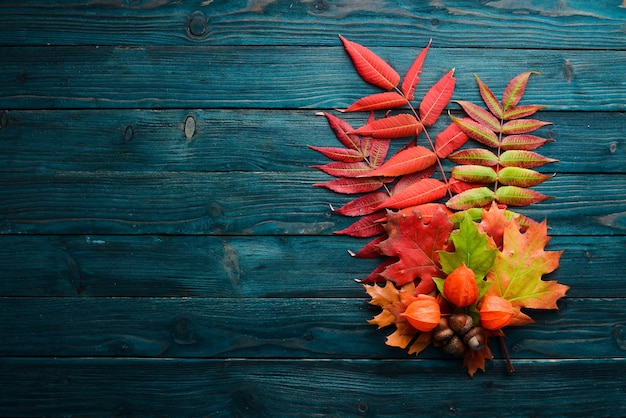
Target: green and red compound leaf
[
  {"x": 522, "y": 142},
  {"x": 522, "y": 126},
  {"x": 370, "y": 66},
  {"x": 474, "y": 156},
  {"x": 518, "y": 196},
  {"x": 476, "y": 131},
  {"x": 472, "y": 198},
  {"x": 515, "y": 90},
  {"x": 518, "y": 112},
  {"x": 480, "y": 115},
  {"x": 523, "y": 159}
]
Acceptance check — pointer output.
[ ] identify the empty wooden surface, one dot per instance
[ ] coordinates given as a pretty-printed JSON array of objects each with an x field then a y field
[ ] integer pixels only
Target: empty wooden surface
[{"x": 163, "y": 250}]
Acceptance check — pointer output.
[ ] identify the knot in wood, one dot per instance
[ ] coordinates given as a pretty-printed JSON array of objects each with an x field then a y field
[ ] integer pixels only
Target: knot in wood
[{"x": 197, "y": 25}]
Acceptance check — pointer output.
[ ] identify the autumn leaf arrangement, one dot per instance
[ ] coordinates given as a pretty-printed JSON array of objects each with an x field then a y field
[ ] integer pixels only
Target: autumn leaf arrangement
[{"x": 458, "y": 264}]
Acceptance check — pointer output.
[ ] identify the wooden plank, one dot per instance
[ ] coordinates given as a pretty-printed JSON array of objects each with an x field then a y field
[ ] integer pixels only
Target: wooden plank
[
  {"x": 285, "y": 77},
  {"x": 585, "y": 24},
  {"x": 247, "y": 388},
  {"x": 248, "y": 140},
  {"x": 274, "y": 327},
  {"x": 254, "y": 203},
  {"x": 247, "y": 267}
]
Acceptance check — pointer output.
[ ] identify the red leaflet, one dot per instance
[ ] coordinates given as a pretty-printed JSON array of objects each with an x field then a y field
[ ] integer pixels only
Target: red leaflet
[
  {"x": 480, "y": 115},
  {"x": 364, "y": 205},
  {"x": 424, "y": 191},
  {"x": 378, "y": 101},
  {"x": 341, "y": 128},
  {"x": 365, "y": 227},
  {"x": 458, "y": 186},
  {"x": 339, "y": 154},
  {"x": 352, "y": 185},
  {"x": 370, "y": 250},
  {"x": 490, "y": 99},
  {"x": 522, "y": 126},
  {"x": 412, "y": 77},
  {"x": 522, "y": 142},
  {"x": 437, "y": 99},
  {"x": 515, "y": 90},
  {"x": 406, "y": 161},
  {"x": 449, "y": 140},
  {"x": 370, "y": 66},
  {"x": 397, "y": 126},
  {"x": 375, "y": 150},
  {"x": 409, "y": 179},
  {"x": 518, "y": 112},
  {"x": 340, "y": 169},
  {"x": 477, "y": 131}
]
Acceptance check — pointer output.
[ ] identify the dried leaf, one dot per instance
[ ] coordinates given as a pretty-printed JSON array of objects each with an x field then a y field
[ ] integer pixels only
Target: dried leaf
[
  {"x": 490, "y": 99},
  {"x": 378, "y": 101},
  {"x": 397, "y": 126},
  {"x": 436, "y": 99},
  {"x": 449, "y": 140},
  {"x": 475, "y": 360},
  {"x": 424, "y": 191},
  {"x": 370, "y": 66},
  {"x": 412, "y": 76},
  {"x": 476, "y": 131},
  {"x": 406, "y": 161}
]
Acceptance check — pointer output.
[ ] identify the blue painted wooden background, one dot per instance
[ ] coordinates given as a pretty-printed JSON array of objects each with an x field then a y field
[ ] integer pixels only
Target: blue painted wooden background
[{"x": 163, "y": 251}]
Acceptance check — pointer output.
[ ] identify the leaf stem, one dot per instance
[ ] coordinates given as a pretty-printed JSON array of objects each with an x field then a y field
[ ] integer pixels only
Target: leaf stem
[
  {"x": 509, "y": 365},
  {"x": 430, "y": 141}
]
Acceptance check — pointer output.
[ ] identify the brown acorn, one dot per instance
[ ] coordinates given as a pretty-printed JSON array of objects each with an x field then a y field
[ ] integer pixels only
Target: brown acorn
[{"x": 460, "y": 323}]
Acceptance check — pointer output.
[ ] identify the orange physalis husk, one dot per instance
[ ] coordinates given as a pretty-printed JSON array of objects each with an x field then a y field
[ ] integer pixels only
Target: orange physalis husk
[
  {"x": 495, "y": 312},
  {"x": 423, "y": 314},
  {"x": 460, "y": 287}
]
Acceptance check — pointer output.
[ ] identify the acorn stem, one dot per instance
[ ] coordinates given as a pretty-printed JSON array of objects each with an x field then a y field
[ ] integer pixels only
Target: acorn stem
[{"x": 509, "y": 365}]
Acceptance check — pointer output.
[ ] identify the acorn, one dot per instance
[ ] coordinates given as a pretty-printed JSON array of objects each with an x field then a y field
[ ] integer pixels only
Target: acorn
[
  {"x": 475, "y": 338},
  {"x": 455, "y": 346},
  {"x": 442, "y": 332},
  {"x": 460, "y": 323}
]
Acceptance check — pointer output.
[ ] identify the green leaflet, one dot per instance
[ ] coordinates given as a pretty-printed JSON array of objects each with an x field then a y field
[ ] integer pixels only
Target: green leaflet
[{"x": 471, "y": 246}]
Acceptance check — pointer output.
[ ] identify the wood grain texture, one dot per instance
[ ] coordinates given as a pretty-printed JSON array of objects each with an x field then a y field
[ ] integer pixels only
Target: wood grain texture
[
  {"x": 274, "y": 328},
  {"x": 285, "y": 77},
  {"x": 249, "y": 140},
  {"x": 545, "y": 24},
  {"x": 255, "y": 203},
  {"x": 244, "y": 267},
  {"x": 353, "y": 388}
]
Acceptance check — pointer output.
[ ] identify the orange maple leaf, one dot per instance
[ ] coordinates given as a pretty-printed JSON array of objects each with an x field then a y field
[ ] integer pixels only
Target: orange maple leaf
[{"x": 518, "y": 268}]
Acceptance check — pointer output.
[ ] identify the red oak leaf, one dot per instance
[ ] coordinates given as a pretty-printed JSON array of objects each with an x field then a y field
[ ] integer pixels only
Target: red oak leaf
[{"x": 416, "y": 245}]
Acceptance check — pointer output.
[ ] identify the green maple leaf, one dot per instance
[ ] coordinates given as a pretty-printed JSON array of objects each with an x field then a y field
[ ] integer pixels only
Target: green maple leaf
[
  {"x": 472, "y": 247},
  {"x": 518, "y": 269}
]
